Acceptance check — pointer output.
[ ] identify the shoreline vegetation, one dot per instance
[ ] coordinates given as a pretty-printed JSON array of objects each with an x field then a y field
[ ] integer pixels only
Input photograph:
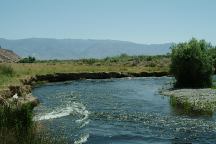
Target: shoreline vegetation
[
  {"x": 193, "y": 65},
  {"x": 20, "y": 78},
  {"x": 11, "y": 73},
  {"x": 193, "y": 101}
]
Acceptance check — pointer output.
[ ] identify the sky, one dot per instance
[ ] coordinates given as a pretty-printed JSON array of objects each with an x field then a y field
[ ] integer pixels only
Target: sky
[{"x": 140, "y": 21}]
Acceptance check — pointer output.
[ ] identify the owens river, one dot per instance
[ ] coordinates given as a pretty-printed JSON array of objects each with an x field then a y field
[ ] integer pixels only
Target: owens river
[{"x": 118, "y": 111}]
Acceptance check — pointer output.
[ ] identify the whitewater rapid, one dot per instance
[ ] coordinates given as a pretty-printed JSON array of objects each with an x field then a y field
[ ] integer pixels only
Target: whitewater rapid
[{"x": 73, "y": 109}]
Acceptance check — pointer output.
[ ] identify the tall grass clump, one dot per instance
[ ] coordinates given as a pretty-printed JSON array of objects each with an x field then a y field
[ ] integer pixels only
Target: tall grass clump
[
  {"x": 19, "y": 116},
  {"x": 15, "y": 122},
  {"x": 6, "y": 69},
  {"x": 6, "y": 73},
  {"x": 17, "y": 126},
  {"x": 191, "y": 64}
]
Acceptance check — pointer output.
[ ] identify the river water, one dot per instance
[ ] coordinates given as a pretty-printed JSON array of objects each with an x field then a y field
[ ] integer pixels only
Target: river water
[{"x": 118, "y": 111}]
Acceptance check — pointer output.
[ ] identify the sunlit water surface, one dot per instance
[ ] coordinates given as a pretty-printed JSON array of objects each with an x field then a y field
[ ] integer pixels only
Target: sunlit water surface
[{"x": 118, "y": 111}]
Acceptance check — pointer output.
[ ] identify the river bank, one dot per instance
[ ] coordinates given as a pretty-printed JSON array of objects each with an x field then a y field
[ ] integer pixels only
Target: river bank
[
  {"x": 17, "y": 112},
  {"x": 24, "y": 89},
  {"x": 27, "y": 84},
  {"x": 193, "y": 101},
  {"x": 123, "y": 110},
  {"x": 20, "y": 79}
]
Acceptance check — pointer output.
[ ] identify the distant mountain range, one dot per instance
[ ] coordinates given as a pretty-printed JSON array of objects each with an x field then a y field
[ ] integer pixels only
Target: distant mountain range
[{"x": 44, "y": 48}]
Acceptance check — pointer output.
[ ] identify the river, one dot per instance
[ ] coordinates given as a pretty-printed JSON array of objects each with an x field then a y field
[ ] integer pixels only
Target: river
[{"x": 118, "y": 111}]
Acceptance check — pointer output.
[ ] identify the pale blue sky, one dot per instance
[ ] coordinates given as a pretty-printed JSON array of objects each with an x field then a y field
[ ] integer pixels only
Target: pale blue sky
[{"x": 142, "y": 21}]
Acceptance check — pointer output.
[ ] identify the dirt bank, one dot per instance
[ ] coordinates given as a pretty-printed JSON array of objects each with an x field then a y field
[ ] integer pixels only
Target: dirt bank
[{"x": 24, "y": 90}]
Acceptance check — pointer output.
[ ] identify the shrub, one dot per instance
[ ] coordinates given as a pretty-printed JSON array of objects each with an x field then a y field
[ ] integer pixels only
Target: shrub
[
  {"x": 6, "y": 70},
  {"x": 212, "y": 53},
  {"x": 191, "y": 64},
  {"x": 89, "y": 61},
  {"x": 124, "y": 55},
  {"x": 149, "y": 58},
  {"x": 28, "y": 60}
]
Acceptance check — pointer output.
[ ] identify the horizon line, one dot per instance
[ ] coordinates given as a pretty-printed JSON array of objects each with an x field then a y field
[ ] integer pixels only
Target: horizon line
[{"x": 87, "y": 39}]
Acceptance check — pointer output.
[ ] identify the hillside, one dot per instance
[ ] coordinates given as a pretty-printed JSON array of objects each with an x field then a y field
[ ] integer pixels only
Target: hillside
[
  {"x": 43, "y": 48},
  {"x": 8, "y": 56}
]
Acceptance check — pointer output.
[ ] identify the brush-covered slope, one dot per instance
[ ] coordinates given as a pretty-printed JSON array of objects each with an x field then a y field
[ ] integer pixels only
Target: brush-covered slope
[{"x": 8, "y": 56}]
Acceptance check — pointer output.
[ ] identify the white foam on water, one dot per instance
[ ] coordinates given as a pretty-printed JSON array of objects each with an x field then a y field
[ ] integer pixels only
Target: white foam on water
[
  {"x": 85, "y": 113},
  {"x": 129, "y": 78},
  {"x": 54, "y": 114},
  {"x": 85, "y": 123},
  {"x": 82, "y": 139},
  {"x": 74, "y": 108}
]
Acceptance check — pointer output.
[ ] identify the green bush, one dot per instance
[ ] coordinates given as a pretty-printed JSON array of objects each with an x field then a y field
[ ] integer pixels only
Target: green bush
[
  {"x": 149, "y": 58},
  {"x": 6, "y": 70},
  {"x": 28, "y": 60},
  {"x": 212, "y": 53},
  {"x": 191, "y": 64},
  {"x": 89, "y": 61}
]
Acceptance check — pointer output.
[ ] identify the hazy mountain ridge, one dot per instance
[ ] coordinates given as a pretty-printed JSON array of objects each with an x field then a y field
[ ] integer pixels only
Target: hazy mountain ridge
[{"x": 45, "y": 48}]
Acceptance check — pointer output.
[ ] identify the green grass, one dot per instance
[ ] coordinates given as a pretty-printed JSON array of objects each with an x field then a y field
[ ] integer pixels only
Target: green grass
[
  {"x": 16, "y": 71},
  {"x": 16, "y": 126},
  {"x": 214, "y": 84},
  {"x": 14, "y": 123},
  {"x": 32, "y": 136}
]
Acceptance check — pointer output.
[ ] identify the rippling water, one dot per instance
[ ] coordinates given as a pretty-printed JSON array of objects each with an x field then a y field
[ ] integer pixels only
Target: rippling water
[{"x": 119, "y": 111}]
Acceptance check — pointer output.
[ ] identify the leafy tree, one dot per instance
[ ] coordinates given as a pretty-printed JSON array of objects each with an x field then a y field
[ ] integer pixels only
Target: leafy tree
[
  {"x": 28, "y": 60},
  {"x": 191, "y": 64},
  {"x": 212, "y": 53}
]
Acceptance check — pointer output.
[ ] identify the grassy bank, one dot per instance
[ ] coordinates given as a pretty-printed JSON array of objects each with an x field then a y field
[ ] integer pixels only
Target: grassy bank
[
  {"x": 121, "y": 63},
  {"x": 16, "y": 125},
  {"x": 12, "y": 73}
]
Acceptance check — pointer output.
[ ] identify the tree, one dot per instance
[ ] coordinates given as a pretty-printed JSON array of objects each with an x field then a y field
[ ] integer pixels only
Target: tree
[
  {"x": 28, "y": 60},
  {"x": 191, "y": 64},
  {"x": 212, "y": 53}
]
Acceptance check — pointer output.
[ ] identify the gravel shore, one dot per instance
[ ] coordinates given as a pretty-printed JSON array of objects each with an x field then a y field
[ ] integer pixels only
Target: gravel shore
[{"x": 196, "y": 99}]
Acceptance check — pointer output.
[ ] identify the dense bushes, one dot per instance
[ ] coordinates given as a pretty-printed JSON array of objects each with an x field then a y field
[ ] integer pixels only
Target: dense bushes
[
  {"x": 191, "y": 64},
  {"x": 28, "y": 60},
  {"x": 212, "y": 53}
]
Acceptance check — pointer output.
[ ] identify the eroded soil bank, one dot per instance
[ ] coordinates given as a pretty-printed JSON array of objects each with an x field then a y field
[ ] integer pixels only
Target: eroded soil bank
[{"x": 24, "y": 90}]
